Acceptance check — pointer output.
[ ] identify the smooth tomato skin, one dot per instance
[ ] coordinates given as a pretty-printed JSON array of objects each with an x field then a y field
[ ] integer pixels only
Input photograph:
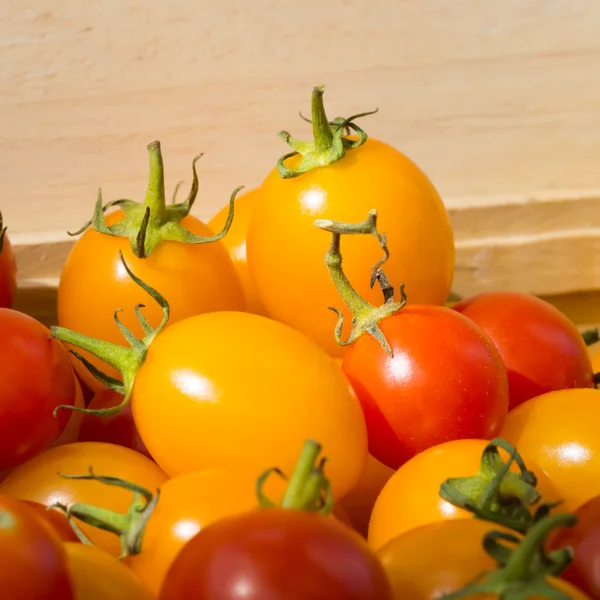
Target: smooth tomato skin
[
  {"x": 445, "y": 381},
  {"x": 117, "y": 429},
  {"x": 70, "y": 433},
  {"x": 237, "y": 389},
  {"x": 39, "y": 480},
  {"x": 280, "y": 554},
  {"x": 57, "y": 521},
  {"x": 36, "y": 376},
  {"x": 194, "y": 278},
  {"x": 34, "y": 563},
  {"x": 541, "y": 348},
  {"x": 411, "y": 496},
  {"x": 235, "y": 243},
  {"x": 374, "y": 176},
  {"x": 559, "y": 432},
  {"x": 96, "y": 575},
  {"x": 8, "y": 274}
]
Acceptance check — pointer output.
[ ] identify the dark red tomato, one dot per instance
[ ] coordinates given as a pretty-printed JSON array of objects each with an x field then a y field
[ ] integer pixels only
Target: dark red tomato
[
  {"x": 36, "y": 376},
  {"x": 116, "y": 429},
  {"x": 584, "y": 539},
  {"x": 445, "y": 381},
  {"x": 541, "y": 348},
  {"x": 8, "y": 270},
  {"x": 34, "y": 562},
  {"x": 57, "y": 521},
  {"x": 279, "y": 554}
]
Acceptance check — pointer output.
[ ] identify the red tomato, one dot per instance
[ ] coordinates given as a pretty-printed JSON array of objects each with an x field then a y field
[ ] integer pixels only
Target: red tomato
[
  {"x": 34, "y": 562},
  {"x": 117, "y": 429},
  {"x": 280, "y": 554},
  {"x": 445, "y": 381},
  {"x": 8, "y": 270},
  {"x": 541, "y": 348},
  {"x": 36, "y": 376}
]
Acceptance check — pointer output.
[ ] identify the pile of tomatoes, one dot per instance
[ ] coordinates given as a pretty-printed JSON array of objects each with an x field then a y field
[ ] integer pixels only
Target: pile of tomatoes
[{"x": 282, "y": 403}]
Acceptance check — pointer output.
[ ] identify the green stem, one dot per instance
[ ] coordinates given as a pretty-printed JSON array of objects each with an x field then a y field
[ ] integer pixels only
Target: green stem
[
  {"x": 155, "y": 196},
  {"x": 591, "y": 336},
  {"x": 321, "y": 128}
]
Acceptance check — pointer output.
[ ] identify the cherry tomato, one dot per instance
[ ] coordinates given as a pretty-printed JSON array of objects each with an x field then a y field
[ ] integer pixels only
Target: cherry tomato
[
  {"x": 411, "y": 497},
  {"x": 237, "y": 389},
  {"x": 196, "y": 278},
  {"x": 427, "y": 393},
  {"x": 440, "y": 558},
  {"x": 35, "y": 377},
  {"x": 235, "y": 242},
  {"x": 70, "y": 433},
  {"x": 56, "y": 520},
  {"x": 559, "y": 432},
  {"x": 39, "y": 480},
  {"x": 97, "y": 575},
  {"x": 34, "y": 563},
  {"x": 594, "y": 352},
  {"x": 117, "y": 429},
  {"x": 541, "y": 348},
  {"x": 277, "y": 554},
  {"x": 8, "y": 270}
]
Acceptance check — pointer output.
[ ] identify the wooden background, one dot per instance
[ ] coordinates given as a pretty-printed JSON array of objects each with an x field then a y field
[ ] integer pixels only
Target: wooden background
[{"x": 499, "y": 102}]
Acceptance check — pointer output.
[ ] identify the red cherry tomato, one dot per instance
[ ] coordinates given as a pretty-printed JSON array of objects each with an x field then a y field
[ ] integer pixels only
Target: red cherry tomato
[
  {"x": 8, "y": 270},
  {"x": 280, "y": 554},
  {"x": 541, "y": 348}
]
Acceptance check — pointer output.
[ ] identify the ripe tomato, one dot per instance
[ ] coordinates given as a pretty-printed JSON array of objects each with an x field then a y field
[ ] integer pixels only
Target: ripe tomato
[
  {"x": 70, "y": 433},
  {"x": 97, "y": 575},
  {"x": 235, "y": 242},
  {"x": 594, "y": 352},
  {"x": 285, "y": 250},
  {"x": 39, "y": 480},
  {"x": 34, "y": 563},
  {"x": 411, "y": 497},
  {"x": 117, "y": 429},
  {"x": 559, "y": 432},
  {"x": 427, "y": 394},
  {"x": 278, "y": 554},
  {"x": 8, "y": 270},
  {"x": 541, "y": 348},
  {"x": 56, "y": 520},
  {"x": 35, "y": 377}
]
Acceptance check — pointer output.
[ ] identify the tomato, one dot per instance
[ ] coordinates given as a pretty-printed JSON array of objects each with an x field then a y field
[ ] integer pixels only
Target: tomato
[
  {"x": 440, "y": 558},
  {"x": 559, "y": 432},
  {"x": 542, "y": 349},
  {"x": 39, "y": 480},
  {"x": 594, "y": 352},
  {"x": 35, "y": 377},
  {"x": 411, "y": 497},
  {"x": 117, "y": 429},
  {"x": 235, "y": 242},
  {"x": 56, "y": 520},
  {"x": 8, "y": 270},
  {"x": 70, "y": 433},
  {"x": 277, "y": 554},
  {"x": 427, "y": 393},
  {"x": 285, "y": 250},
  {"x": 34, "y": 563},
  {"x": 584, "y": 539},
  {"x": 97, "y": 575}
]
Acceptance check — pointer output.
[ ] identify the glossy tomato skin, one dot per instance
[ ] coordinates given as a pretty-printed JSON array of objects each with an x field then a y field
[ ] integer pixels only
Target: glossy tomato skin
[
  {"x": 57, "y": 521},
  {"x": 278, "y": 554},
  {"x": 36, "y": 376},
  {"x": 249, "y": 395},
  {"x": 8, "y": 274},
  {"x": 445, "y": 381},
  {"x": 541, "y": 348},
  {"x": 39, "y": 480},
  {"x": 235, "y": 242},
  {"x": 373, "y": 176},
  {"x": 34, "y": 564},
  {"x": 195, "y": 278},
  {"x": 117, "y": 429},
  {"x": 559, "y": 431}
]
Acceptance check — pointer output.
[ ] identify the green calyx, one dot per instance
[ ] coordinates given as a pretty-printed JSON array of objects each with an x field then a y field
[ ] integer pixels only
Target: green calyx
[
  {"x": 130, "y": 527},
  {"x": 524, "y": 570},
  {"x": 308, "y": 488},
  {"x": 365, "y": 316},
  {"x": 147, "y": 225},
  {"x": 329, "y": 144},
  {"x": 2, "y": 233},
  {"x": 591, "y": 336},
  {"x": 125, "y": 360},
  {"x": 496, "y": 493}
]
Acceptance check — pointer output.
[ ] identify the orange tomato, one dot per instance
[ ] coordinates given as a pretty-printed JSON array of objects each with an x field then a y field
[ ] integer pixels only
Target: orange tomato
[
  {"x": 411, "y": 496},
  {"x": 235, "y": 242},
  {"x": 286, "y": 251},
  {"x": 594, "y": 351},
  {"x": 38, "y": 480},
  {"x": 195, "y": 278},
  {"x": 559, "y": 431}
]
